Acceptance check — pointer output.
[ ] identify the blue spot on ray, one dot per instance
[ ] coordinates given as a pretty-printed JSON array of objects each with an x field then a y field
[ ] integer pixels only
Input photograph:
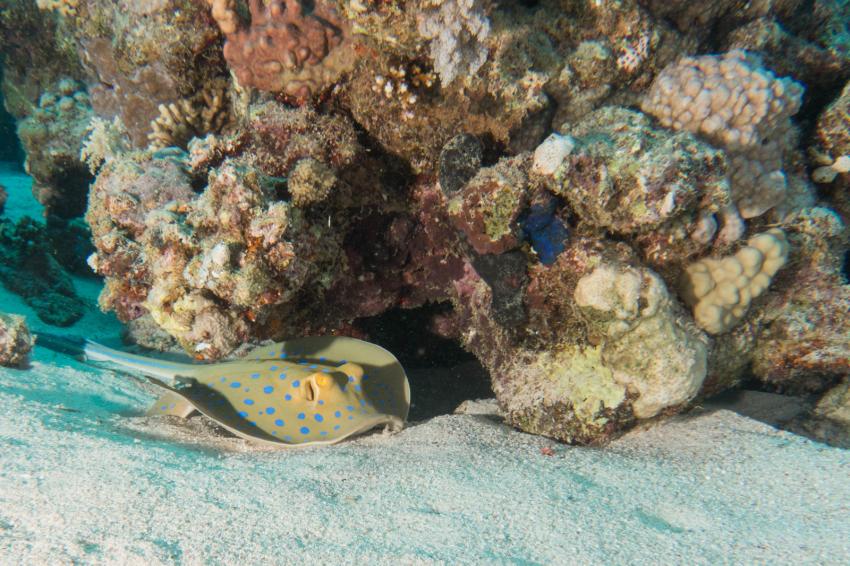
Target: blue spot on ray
[
  {"x": 296, "y": 383},
  {"x": 268, "y": 389},
  {"x": 301, "y": 416},
  {"x": 255, "y": 376},
  {"x": 235, "y": 385},
  {"x": 305, "y": 430},
  {"x": 278, "y": 422},
  {"x": 249, "y": 401},
  {"x": 319, "y": 418},
  {"x": 337, "y": 414},
  {"x": 288, "y": 397},
  {"x": 242, "y": 414},
  {"x": 270, "y": 410},
  {"x": 336, "y": 427}
]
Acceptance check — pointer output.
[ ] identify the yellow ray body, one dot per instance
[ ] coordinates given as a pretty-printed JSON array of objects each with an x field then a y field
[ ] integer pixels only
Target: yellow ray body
[{"x": 302, "y": 392}]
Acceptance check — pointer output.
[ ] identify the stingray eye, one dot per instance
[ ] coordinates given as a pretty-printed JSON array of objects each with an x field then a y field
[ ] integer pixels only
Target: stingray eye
[{"x": 324, "y": 381}]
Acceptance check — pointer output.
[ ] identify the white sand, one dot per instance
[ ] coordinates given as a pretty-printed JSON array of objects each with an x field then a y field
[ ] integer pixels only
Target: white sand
[{"x": 86, "y": 479}]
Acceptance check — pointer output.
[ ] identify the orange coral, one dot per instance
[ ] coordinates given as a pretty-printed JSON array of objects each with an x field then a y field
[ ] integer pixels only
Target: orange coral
[{"x": 286, "y": 48}]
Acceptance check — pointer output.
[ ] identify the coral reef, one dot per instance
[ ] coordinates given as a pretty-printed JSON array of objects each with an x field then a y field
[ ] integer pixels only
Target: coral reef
[
  {"x": 833, "y": 127},
  {"x": 736, "y": 105},
  {"x": 625, "y": 176},
  {"x": 721, "y": 290},
  {"x": 15, "y": 341},
  {"x": 275, "y": 168},
  {"x": 178, "y": 123},
  {"x": 135, "y": 69},
  {"x": 287, "y": 47},
  {"x": 829, "y": 420},
  {"x": 29, "y": 268},
  {"x": 52, "y": 138},
  {"x": 64, "y": 7},
  {"x": 803, "y": 345},
  {"x": 210, "y": 267},
  {"x": 37, "y": 52},
  {"x": 457, "y": 31}
]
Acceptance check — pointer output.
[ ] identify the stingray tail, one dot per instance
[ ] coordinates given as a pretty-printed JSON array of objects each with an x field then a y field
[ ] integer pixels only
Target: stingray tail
[
  {"x": 89, "y": 351},
  {"x": 69, "y": 345}
]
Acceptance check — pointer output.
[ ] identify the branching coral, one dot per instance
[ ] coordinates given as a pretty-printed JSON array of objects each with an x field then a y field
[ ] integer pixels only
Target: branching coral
[
  {"x": 287, "y": 46},
  {"x": 179, "y": 122},
  {"x": 106, "y": 141}
]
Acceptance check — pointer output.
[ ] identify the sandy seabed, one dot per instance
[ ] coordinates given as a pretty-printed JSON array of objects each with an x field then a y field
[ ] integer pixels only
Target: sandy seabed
[{"x": 86, "y": 478}]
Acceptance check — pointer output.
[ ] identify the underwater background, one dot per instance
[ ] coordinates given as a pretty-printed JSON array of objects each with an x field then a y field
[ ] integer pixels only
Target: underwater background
[{"x": 608, "y": 243}]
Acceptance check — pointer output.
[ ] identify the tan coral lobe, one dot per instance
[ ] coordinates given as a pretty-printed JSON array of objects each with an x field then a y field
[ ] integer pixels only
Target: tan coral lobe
[{"x": 721, "y": 290}]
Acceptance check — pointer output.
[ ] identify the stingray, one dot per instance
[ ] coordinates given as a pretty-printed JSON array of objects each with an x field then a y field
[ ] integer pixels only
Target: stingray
[{"x": 302, "y": 392}]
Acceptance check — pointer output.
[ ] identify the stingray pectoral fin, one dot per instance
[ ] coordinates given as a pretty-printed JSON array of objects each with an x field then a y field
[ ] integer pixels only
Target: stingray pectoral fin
[
  {"x": 172, "y": 404},
  {"x": 215, "y": 407},
  {"x": 352, "y": 369}
]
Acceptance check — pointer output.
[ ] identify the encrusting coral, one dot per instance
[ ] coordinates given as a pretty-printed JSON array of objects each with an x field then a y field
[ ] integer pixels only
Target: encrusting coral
[
  {"x": 16, "y": 342},
  {"x": 287, "y": 46}
]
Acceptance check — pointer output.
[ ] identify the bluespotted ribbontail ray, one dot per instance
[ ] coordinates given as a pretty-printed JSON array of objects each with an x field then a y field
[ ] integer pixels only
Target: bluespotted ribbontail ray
[{"x": 302, "y": 392}]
